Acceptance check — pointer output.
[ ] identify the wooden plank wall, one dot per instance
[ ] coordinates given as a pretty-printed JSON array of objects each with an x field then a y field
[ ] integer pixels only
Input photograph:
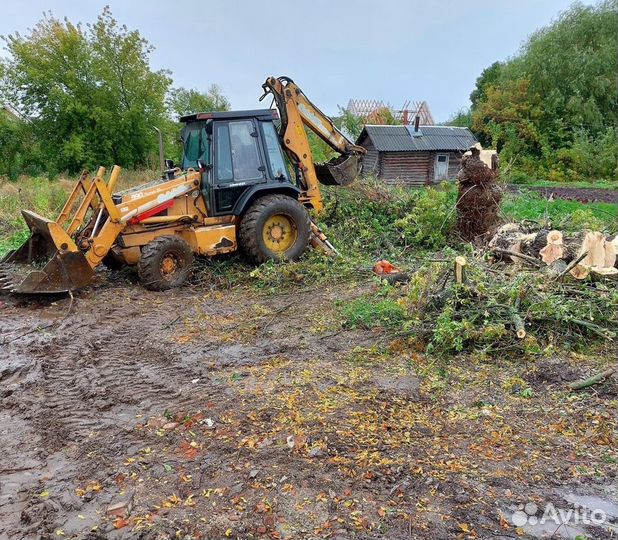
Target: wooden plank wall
[
  {"x": 409, "y": 168},
  {"x": 454, "y": 164},
  {"x": 370, "y": 161}
]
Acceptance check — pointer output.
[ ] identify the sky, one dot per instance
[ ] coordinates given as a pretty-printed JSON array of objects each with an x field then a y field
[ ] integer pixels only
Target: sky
[{"x": 392, "y": 50}]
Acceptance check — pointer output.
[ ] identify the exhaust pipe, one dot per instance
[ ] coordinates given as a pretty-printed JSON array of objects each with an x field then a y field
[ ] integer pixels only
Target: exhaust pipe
[{"x": 161, "y": 151}]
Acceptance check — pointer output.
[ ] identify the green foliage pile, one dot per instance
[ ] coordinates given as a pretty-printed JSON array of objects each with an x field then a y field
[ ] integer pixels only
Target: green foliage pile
[
  {"x": 551, "y": 109},
  {"x": 483, "y": 314},
  {"x": 380, "y": 221}
]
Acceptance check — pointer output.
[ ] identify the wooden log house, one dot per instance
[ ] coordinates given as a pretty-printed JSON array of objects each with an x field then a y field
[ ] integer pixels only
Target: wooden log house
[{"x": 414, "y": 155}]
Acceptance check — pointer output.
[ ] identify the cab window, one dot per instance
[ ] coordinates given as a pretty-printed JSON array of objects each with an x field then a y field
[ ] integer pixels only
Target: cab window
[
  {"x": 225, "y": 172},
  {"x": 195, "y": 146},
  {"x": 276, "y": 162},
  {"x": 245, "y": 156}
]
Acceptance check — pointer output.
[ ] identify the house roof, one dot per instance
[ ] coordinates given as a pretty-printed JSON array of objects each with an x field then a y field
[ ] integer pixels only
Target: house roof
[{"x": 428, "y": 138}]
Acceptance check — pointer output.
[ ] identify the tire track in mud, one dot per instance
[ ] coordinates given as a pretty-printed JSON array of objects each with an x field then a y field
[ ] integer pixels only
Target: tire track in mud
[{"x": 76, "y": 393}]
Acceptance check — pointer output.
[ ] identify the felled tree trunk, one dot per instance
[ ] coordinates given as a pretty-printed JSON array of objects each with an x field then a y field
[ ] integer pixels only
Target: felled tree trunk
[
  {"x": 478, "y": 199},
  {"x": 579, "y": 254}
]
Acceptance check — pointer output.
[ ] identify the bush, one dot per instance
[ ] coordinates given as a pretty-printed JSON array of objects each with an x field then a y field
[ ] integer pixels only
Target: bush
[{"x": 431, "y": 218}]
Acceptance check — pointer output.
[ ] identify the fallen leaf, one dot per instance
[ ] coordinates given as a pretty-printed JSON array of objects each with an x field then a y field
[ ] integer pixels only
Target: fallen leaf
[{"x": 120, "y": 522}]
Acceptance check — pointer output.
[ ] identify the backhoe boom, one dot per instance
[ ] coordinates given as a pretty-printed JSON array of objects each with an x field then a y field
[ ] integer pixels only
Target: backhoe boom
[{"x": 296, "y": 112}]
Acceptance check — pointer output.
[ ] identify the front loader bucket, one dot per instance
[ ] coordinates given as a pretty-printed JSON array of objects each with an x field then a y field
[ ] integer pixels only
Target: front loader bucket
[
  {"x": 338, "y": 171},
  {"x": 48, "y": 262}
]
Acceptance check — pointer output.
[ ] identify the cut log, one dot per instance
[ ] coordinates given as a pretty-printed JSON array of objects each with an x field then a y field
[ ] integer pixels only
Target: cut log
[
  {"x": 512, "y": 239},
  {"x": 557, "y": 267},
  {"x": 518, "y": 324},
  {"x": 514, "y": 255},
  {"x": 585, "y": 383},
  {"x": 610, "y": 254},
  {"x": 460, "y": 269},
  {"x": 594, "y": 244},
  {"x": 600, "y": 272},
  {"x": 551, "y": 253},
  {"x": 554, "y": 237},
  {"x": 579, "y": 271}
]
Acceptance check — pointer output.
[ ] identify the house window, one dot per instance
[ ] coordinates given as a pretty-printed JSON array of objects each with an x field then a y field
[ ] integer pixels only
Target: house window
[{"x": 441, "y": 166}]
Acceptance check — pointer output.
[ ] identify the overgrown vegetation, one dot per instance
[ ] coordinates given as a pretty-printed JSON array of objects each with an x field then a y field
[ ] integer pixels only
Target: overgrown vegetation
[
  {"x": 484, "y": 313},
  {"x": 551, "y": 109}
]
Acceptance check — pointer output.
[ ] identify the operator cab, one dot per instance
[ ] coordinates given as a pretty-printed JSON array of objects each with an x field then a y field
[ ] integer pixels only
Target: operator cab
[{"x": 236, "y": 151}]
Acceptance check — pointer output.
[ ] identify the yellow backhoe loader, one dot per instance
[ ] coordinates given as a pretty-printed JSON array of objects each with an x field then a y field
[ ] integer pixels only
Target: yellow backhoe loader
[{"x": 243, "y": 183}]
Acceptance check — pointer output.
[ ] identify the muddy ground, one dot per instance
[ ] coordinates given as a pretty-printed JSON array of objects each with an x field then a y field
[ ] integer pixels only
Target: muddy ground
[{"x": 206, "y": 413}]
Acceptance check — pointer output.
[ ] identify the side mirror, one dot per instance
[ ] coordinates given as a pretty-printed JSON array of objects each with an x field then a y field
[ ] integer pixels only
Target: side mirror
[{"x": 169, "y": 164}]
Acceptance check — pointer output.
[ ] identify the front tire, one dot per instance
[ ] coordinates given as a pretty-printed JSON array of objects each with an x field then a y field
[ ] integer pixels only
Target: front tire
[
  {"x": 165, "y": 263},
  {"x": 274, "y": 227}
]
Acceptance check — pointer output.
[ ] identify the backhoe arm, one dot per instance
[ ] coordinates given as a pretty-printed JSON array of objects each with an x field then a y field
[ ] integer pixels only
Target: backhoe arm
[{"x": 297, "y": 111}]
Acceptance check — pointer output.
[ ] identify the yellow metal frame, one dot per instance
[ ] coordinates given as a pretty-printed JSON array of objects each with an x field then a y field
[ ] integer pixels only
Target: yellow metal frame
[{"x": 297, "y": 111}]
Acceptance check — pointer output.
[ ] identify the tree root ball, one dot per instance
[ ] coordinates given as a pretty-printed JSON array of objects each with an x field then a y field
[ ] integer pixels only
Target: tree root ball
[{"x": 478, "y": 200}]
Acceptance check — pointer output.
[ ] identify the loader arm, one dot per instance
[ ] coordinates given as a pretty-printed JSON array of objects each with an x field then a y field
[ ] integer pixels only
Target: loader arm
[{"x": 296, "y": 112}]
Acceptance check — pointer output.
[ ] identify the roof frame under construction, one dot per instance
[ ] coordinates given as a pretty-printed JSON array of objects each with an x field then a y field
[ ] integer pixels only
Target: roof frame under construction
[{"x": 370, "y": 111}]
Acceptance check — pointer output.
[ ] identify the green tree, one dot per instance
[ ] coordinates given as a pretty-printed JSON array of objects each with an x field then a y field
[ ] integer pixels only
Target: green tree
[
  {"x": 551, "y": 109},
  {"x": 350, "y": 124},
  {"x": 489, "y": 77},
  {"x": 462, "y": 118},
  {"x": 182, "y": 101},
  {"x": 90, "y": 91}
]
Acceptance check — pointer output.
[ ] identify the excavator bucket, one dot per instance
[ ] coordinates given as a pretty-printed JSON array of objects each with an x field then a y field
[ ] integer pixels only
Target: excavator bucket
[
  {"x": 340, "y": 171},
  {"x": 48, "y": 262}
]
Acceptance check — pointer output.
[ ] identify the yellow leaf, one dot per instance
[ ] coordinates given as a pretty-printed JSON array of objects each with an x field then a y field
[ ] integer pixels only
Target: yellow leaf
[
  {"x": 464, "y": 527},
  {"x": 44, "y": 494},
  {"x": 228, "y": 533}
]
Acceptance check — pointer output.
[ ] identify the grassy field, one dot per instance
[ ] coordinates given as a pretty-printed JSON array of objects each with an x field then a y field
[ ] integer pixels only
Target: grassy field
[
  {"x": 43, "y": 196},
  {"x": 561, "y": 214}
]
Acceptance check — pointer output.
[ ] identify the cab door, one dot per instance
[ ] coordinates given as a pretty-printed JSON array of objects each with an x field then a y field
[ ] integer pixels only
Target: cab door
[{"x": 238, "y": 162}]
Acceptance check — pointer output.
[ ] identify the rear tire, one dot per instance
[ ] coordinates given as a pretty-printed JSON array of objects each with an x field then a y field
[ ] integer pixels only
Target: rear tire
[
  {"x": 274, "y": 227},
  {"x": 165, "y": 263}
]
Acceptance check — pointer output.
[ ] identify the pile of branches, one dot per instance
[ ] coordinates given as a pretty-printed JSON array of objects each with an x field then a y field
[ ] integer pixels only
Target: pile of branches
[{"x": 474, "y": 306}]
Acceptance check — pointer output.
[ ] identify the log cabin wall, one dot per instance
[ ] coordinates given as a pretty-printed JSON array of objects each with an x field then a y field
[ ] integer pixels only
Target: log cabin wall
[
  {"x": 371, "y": 159},
  {"x": 409, "y": 168}
]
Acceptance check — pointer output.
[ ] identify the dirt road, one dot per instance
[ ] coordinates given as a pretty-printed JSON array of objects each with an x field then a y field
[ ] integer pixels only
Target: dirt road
[{"x": 213, "y": 414}]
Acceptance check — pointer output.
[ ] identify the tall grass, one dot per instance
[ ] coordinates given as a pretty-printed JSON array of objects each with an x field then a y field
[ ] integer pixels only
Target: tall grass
[{"x": 45, "y": 197}]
